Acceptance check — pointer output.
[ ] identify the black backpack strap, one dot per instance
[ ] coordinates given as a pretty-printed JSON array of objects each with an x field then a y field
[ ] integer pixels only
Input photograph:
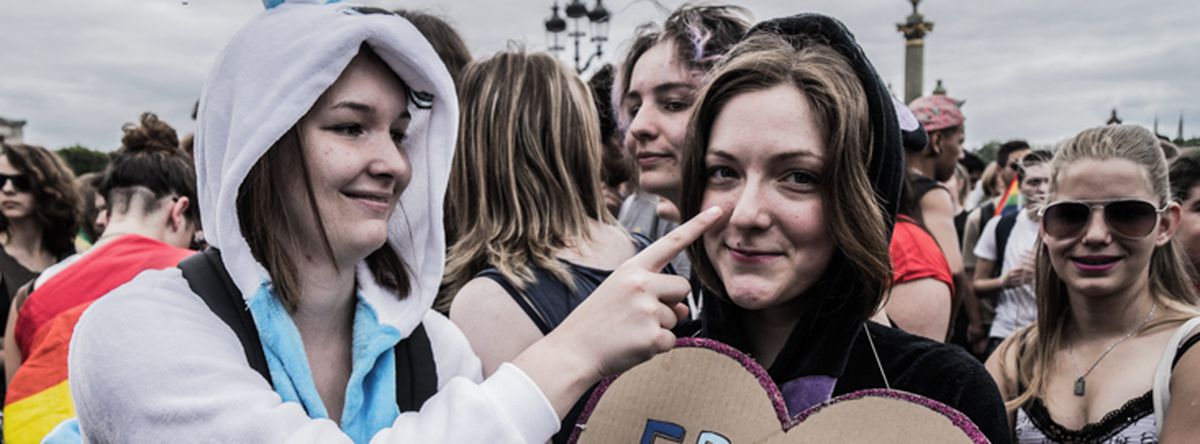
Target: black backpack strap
[
  {"x": 416, "y": 371},
  {"x": 1004, "y": 228},
  {"x": 207, "y": 277}
]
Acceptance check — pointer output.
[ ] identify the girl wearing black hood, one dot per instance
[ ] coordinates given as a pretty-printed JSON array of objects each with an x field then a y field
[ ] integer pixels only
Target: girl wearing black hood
[{"x": 797, "y": 139}]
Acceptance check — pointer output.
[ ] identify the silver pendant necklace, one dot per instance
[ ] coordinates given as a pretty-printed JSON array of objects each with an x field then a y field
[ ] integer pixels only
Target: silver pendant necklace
[{"x": 1080, "y": 380}]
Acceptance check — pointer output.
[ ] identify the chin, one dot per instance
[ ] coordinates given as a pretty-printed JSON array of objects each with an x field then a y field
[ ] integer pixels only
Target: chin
[{"x": 752, "y": 299}]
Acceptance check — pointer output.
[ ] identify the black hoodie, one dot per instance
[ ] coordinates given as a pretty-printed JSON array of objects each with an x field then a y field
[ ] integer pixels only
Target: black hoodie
[{"x": 826, "y": 349}]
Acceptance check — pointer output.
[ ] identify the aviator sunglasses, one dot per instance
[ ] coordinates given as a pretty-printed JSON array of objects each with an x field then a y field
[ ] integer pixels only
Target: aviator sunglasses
[
  {"x": 20, "y": 183},
  {"x": 1129, "y": 218}
]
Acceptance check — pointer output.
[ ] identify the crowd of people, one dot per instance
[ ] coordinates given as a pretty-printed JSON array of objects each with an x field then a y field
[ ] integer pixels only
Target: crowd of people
[{"x": 386, "y": 240}]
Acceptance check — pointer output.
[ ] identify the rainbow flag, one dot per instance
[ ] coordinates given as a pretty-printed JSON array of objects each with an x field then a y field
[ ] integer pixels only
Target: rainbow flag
[{"x": 1012, "y": 200}]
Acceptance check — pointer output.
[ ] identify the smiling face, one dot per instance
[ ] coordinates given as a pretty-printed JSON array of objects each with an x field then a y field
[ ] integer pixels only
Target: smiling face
[
  {"x": 350, "y": 141},
  {"x": 765, "y": 166},
  {"x": 1099, "y": 262},
  {"x": 656, "y": 105},
  {"x": 15, "y": 203}
]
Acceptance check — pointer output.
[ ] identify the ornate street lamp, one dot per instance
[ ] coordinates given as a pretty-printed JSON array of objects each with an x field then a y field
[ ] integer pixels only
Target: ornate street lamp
[{"x": 598, "y": 18}]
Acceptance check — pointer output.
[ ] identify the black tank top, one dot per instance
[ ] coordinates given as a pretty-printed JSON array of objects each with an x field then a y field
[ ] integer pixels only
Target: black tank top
[{"x": 547, "y": 302}]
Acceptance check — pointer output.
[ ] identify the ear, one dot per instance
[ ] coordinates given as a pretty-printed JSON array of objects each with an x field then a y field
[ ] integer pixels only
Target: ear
[
  {"x": 935, "y": 141},
  {"x": 1168, "y": 224},
  {"x": 177, "y": 218}
]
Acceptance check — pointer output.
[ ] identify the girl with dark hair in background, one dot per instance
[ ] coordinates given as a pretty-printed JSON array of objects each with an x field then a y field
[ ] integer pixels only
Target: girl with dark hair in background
[{"x": 40, "y": 205}]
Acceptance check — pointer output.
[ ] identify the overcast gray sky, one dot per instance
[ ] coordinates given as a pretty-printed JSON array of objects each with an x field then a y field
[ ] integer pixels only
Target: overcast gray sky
[{"x": 1035, "y": 69}]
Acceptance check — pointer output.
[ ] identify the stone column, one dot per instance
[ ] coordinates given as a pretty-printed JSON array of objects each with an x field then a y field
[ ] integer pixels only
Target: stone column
[{"x": 914, "y": 30}]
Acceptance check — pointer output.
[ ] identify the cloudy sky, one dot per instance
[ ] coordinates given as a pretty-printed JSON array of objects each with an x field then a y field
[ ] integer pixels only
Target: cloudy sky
[{"x": 1034, "y": 69}]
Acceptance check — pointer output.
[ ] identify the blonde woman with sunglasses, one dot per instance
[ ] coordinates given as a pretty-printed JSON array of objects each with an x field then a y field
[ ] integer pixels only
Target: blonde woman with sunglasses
[{"x": 1107, "y": 359}]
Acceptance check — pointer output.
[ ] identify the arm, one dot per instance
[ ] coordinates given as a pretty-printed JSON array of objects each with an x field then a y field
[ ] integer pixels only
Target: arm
[
  {"x": 150, "y": 363},
  {"x": 937, "y": 208},
  {"x": 1182, "y": 422},
  {"x": 1002, "y": 365},
  {"x": 921, "y": 307},
  {"x": 12, "y": 355},
  {"x": 482, "y": 309}
]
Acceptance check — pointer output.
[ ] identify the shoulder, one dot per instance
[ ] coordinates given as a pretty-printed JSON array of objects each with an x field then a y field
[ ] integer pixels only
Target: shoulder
[
  {"x": 937, "y": 199},
  {"x": 156, "y": 304}
]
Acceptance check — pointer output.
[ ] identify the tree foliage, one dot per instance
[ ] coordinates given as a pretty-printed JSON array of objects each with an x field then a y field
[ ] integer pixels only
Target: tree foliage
[{"x": 82, "y": 159}]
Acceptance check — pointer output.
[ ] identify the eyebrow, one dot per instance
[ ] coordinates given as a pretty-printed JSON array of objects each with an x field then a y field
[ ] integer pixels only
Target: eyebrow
[
  {"x": 363, "y": 108},
  {"x": 662, "y": 89},
  {"x": 776, "y": 158}
]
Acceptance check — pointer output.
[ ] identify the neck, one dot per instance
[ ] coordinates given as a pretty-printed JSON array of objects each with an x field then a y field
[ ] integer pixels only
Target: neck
[
  {"x": 140, "y": 224},
  {"x": 918, "y": 163},
  {"x": 1111, "y": 315},
  {"x": 768, "y": 331},
  {"x": 327, "y": 295},
  {"x": 23, "y": 234}
]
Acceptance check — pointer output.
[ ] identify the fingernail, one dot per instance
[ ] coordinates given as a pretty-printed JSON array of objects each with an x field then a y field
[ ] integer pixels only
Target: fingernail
[{"x": 712, "y": 211}]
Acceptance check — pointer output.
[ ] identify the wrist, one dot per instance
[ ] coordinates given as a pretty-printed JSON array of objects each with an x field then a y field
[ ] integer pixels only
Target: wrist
[{"x": 562, "y": 373}]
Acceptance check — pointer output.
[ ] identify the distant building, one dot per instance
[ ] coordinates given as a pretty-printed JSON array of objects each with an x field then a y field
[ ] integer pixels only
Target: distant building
[{"x": 12, "y": 131}]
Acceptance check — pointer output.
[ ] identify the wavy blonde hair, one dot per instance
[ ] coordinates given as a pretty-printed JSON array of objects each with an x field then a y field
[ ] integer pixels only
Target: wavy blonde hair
[
  {"x": 526, "y": 176},
  {"x": 1170, "y": 285}
]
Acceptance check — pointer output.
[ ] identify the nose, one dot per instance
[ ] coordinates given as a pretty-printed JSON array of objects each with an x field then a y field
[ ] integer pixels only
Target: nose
[
  {"x": 1097, "y": 231},
  {"x": 8, "y": 187},
  {"x": 643, "y": 127},
  {"x": 101, "y": 220},
  {"x": 389, "y": 161},
  {"x": 750, "y": 210}
]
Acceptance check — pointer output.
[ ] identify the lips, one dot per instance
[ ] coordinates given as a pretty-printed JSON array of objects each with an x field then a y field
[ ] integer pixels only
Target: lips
[
  {"x": 649, "y": 158},
  {"x": 1095, "y": 263},
  {"x": 752, "y": 256},
  {"x": 375, "y": 201}
]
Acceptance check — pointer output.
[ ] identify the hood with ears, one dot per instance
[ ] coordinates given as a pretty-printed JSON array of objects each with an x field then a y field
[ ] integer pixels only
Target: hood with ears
[{"x": 267, "y": 78}]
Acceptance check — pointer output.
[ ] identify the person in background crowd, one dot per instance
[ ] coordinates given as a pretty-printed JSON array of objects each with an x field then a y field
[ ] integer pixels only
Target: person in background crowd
[
  {"x": 975, "y": 167},
  {"x": 90, "y": 224},
  {"x": 537, "y": 231},
  {"x": 1006, "y": 251},
  {"x": 618, "y": 172},
  {"x": 958, "y": 191},
  {"x": 978, "y": 313},
  {"x": 151, "y": 184},
  {"x": 1107, "y": 360},
  {"x": 1185, "y": 189},
  {"x": 445, "y": 39},
  {"x": 920, "y": 297},
  {"x": 39, "y": 216},
  {"x": 326, "y": 207},
  {"x": 800, "y": 145},
  {"x": 655, "y": 88}
]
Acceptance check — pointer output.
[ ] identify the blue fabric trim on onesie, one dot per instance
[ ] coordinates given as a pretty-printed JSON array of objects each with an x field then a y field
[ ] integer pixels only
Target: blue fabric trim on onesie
[{"x": 370, "y": 404}]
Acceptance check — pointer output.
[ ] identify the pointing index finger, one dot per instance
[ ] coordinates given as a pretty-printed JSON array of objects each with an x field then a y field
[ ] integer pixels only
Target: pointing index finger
[{"x": 658, "y": 254}]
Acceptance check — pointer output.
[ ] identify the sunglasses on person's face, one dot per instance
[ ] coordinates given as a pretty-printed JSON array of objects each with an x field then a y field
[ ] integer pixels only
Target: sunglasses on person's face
[
  {"x": 20, "y": 183},
  {"x": 1129, "y": 218}
]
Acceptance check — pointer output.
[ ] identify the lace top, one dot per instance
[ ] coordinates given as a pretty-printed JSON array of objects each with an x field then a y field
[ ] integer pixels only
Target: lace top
[{"x": 1133, "y": 422}]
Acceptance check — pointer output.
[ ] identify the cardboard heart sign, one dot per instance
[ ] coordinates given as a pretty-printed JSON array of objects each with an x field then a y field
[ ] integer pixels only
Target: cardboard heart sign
[{"x": 706, "y": 392}]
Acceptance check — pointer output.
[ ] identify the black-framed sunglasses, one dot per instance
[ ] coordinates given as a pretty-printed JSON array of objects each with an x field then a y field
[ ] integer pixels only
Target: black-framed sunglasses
[
  {"x": 19, "y": 182},
  {"x": 1128, "y": 218}
]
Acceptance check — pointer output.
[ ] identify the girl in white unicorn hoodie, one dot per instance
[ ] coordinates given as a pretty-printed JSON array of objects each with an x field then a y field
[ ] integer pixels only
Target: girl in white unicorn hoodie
[{"x": 324, "y": 143}]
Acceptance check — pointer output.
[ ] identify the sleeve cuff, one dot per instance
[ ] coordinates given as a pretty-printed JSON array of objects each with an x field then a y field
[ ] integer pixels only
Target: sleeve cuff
[{"x": 525, "y": 405}]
